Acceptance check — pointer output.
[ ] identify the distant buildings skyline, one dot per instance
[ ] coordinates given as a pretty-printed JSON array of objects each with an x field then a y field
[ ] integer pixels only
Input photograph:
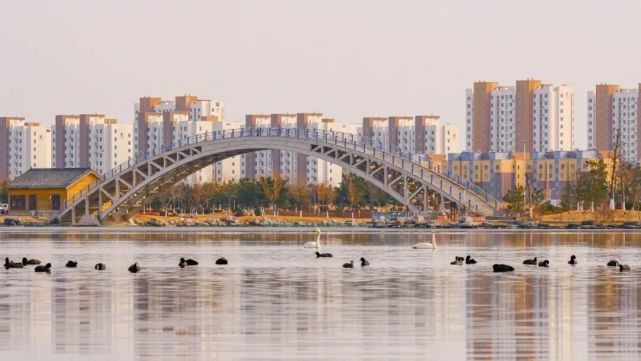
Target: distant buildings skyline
[{"x": 529, "y": 115}]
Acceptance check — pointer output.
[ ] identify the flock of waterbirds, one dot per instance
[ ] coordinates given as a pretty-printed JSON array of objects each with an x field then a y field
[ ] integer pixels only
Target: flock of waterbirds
[{"x": 458, "y": 261}]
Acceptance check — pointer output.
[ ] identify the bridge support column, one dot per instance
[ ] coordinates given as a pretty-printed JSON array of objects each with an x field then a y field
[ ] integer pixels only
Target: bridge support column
[
  {"x": 73, "y": 215},
  {"x": 425, "y": 199}
]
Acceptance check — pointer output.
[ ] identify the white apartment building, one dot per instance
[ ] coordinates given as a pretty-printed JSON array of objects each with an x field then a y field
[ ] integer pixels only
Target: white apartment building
[
  {"x": 503, "y": 119},
  {"x": 623, "y": 115},
  {"x": 110, "y": 144},
  {"x": 229, "y": 169},
  {"x": 530, "y": 116},
  {"x": 320, "y": 171},
  {"x": 28, "y": 145},
  {"x": 553, "y": 122},
  {"x": 90, "y": 141},
  {"x": 160, "y": 123},
  {"x": 421, "y": 134}
]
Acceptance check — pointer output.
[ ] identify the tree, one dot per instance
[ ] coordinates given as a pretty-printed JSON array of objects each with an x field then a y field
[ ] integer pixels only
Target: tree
[
  {"x": 354, "y": 193},
  {"x": 4, "y": 192},
  {"x": 515, "y": 199},
  {"x": 300, "y": 195},
  {"x": 272, "y": 187},
  {"x": 593, "y": 185},
  {"x": 326, "y": 195}
]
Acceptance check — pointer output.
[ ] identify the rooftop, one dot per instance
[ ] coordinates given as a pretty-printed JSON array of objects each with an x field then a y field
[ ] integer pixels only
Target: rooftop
[{"x": 36, "y": 178}]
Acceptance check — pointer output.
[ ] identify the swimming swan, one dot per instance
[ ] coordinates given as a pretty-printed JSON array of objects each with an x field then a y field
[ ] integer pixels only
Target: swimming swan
[
  {"x": 314, "y": 244},
  {"x": 426, "y": 245}
]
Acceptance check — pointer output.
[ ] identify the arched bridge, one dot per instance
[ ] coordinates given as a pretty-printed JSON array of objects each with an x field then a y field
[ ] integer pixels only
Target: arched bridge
[{"x": 121, "y": 191}]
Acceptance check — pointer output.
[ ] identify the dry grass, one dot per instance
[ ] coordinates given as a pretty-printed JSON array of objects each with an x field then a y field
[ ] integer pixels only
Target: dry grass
[{"x": 616, "y": 216}]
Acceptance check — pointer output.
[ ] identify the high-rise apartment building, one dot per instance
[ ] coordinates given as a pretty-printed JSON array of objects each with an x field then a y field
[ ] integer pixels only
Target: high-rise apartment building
[
  {"x": 229, "y": 169},
  {"x": 23, "y": 145},
  {"x": 90, "y": 141},
  {"x": 159, "y": 123},
  {"x": 421, "y": 134},
  {"x": 298, "y": 168},
  {"x": 611, "y": 108},
  {"x": 527, "y": 117}
]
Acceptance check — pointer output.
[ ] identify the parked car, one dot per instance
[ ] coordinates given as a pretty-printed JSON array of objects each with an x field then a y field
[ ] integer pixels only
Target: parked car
[{"x": 4, "y": 208}]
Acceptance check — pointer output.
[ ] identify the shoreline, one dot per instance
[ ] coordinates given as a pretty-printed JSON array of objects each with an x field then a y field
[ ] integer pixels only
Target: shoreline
[{"x": 330, "y": 230}]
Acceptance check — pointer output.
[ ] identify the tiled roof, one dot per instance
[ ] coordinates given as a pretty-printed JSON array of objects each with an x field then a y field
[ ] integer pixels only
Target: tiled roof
[{"x": 48, "y": 178}]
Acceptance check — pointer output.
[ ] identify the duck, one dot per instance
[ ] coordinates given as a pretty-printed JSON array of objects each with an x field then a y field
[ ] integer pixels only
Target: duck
[
  {"x": 613, "y": 263},
  {"x": 348, "y": 265},
  {"x": 10, "y": 264},
  {"x": 572, "y": 260},
  {"x": 502, "y": 268},
  {"x": 71, "y": 264},
  {"x": 100, "y": 266},
  {"x": 316, "y": 243},
  {"x": 26, "y": 261},
  {"x": 187, "y": 262},
  {"x": 530, "y": 261},
  {"x": 458, "y": 261},
  {"x": 426, "y": 245},
  {"x": 469, "y": 260},
  {"x": 364, "y": 262},
  {"x": 544, "y": 263},
  {"x": 134, "y": 268},
  {"x": 624, "y": 268},
  {"x": 46, "y": 268},
  {"x": 320, "y": 255},
  {"x": 222, "y": 260}
]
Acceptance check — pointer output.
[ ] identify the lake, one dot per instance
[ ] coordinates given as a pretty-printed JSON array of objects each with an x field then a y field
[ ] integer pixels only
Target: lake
[{"x": 277, "y": 301}]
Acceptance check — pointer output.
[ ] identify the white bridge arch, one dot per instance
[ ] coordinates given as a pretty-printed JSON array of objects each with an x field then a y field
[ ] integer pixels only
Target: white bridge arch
[{"x": 121, "y": 191}]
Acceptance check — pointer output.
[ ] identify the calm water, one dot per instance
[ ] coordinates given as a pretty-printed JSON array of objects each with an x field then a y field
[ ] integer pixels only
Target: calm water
[{"x": 277, "y": 301}]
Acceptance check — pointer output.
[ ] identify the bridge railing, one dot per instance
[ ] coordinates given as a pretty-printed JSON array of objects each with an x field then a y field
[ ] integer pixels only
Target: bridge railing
[{"x": 405, "y": 159}]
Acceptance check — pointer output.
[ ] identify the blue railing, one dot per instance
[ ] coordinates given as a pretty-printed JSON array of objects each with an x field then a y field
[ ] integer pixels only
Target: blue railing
[{"x": 346, "y": 140}]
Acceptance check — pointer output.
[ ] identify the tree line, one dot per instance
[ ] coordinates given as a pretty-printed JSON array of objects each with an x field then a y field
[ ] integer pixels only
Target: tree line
[
  {"x": 269, "y": 193},
  {"x": 592, "y": 189}
]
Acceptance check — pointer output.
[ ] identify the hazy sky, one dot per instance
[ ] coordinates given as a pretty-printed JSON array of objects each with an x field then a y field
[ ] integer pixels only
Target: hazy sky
[{"x": 344, "y": 58}]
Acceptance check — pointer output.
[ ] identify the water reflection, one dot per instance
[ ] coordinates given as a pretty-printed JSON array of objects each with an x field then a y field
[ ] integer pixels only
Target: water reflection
[{"x": 276, "y": 301}]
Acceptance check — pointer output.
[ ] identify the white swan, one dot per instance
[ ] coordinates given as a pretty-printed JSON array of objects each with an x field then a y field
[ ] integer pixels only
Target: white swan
[
  {"x": 314, "y": 244},
  {"x": 426, "y": 245}
]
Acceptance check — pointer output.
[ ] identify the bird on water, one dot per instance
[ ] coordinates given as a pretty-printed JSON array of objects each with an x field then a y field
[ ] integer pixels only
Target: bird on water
[
  {"x": 134, "y": 268},
  {"x": 624, "y": 268},
  {"x": 502, "y": 268},
  {"x": 321, "y": 255},
  {"x": 100, "y": 266},
  {"x": 316, "y": 243},
  {"x": 531, "y": 261},
  {"x": 544, "y": 263},
  {"x": 348, "y": 265},
  {"x": 427, "y": 245},
  {"x": 71, "y": 264},
  {"x": 221, "y": 261},
  {"x": 613, "y": 263},
  {"x": 10, "y": 264},
  {"x": 364, "y": 262},
  {"x": 573, "y": 260},
  {"x": 46, "y": 268},
  {"x": 469, "y": 260},
  {"x": 26, "y": 261},
  {"x": 458, "y": 261}
]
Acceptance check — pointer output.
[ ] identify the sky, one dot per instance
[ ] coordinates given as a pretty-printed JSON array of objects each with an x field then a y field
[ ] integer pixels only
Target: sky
[{"x": 347, "y": 59}]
